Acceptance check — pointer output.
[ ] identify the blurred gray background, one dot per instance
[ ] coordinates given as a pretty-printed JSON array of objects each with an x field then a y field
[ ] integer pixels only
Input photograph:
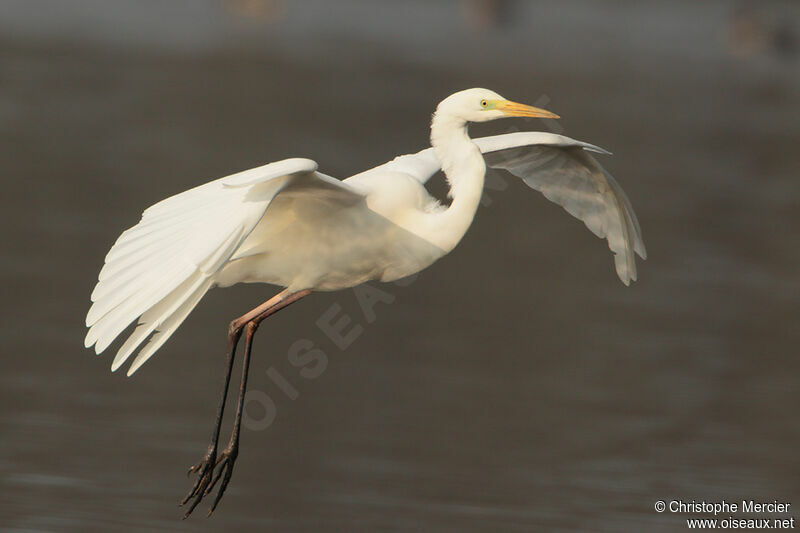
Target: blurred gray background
[{"x": 516, "y": 385}]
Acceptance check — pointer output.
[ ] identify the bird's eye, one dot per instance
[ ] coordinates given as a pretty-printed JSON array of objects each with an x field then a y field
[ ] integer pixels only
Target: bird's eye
[{"x": 484, "y": 103}]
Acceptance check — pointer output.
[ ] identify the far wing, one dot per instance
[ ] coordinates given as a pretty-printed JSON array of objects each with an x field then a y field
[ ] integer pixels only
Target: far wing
[
  {"x": 563, "y": 170},
  {"x": 158, "y": 270}
]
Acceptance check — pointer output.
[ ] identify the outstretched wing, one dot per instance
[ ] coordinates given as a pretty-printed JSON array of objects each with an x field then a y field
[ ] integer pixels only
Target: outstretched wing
[
  {"x": 158, "y": 270},
  {"x": 564, "y": 171}
]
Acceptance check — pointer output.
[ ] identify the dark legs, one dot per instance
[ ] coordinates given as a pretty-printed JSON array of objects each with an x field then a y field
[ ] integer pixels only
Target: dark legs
[
  {"x": 205, "y": 468},
  {"x": 206, "y": 465}
]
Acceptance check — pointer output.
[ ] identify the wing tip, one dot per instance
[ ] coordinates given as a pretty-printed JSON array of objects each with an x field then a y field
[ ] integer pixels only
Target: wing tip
[
  {"x": 596, "y": 149},
  {"x": 626, "y": 277}
]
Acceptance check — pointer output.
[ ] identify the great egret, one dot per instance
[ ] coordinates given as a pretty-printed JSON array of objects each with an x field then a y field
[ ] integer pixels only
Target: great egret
[{"x": 288, "y": 224}]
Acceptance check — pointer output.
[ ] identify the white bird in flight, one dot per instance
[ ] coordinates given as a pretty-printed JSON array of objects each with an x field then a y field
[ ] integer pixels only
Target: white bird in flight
[{"x": 287, "y": 224}]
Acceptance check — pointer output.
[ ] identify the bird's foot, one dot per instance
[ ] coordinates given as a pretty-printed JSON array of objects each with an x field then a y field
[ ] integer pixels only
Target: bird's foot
[
  {"x": 207, "y": 480},
  {"x": 225, "y": 462},
  {"x": 205, "y": 471}
]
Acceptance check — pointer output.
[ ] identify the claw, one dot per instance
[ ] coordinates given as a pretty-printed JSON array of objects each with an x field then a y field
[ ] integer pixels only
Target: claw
[
  {"x": 206, "y": 470},
  {"x": 208, "y": 479},
  {"x": 194, "y": 469}
]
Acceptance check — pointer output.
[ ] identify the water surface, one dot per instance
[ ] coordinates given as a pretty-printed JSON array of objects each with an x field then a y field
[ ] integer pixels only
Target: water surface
[{"x": 514, "y": 386}]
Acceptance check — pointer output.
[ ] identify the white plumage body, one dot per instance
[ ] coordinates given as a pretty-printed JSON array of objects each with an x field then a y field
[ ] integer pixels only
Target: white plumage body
[
  {"x": 289, "y": 225},
  {"x": 334, "y": 241}
]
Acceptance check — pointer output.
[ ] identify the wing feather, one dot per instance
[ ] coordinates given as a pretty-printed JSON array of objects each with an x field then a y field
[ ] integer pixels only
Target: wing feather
[
  {"x": 158, "y": 270},
  {"x": 573, "y": 179},
  {"x": 563, "y": 170},
  {"x": 169, "y": 325},
  {"x": 156, "y": 315}
]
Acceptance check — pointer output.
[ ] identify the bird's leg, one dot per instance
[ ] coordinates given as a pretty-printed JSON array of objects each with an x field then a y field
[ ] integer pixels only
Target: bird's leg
[
  {"x": 227, "y": 458},
  {"x": 231, "y": 452},
  {"x": 206, "y": 465},
  {"x": 205, "y": 468}
]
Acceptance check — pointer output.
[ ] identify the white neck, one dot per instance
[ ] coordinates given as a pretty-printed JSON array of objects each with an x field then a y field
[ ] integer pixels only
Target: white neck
[{"x": 463, "y": 165}]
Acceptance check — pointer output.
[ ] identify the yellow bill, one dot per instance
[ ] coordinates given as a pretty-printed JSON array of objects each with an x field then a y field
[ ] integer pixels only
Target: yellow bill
[{"x": 514, "y": 109}]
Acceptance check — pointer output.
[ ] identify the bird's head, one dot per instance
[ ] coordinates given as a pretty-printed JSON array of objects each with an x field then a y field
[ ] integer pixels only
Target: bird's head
[{"x": 483, "y": 105}]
